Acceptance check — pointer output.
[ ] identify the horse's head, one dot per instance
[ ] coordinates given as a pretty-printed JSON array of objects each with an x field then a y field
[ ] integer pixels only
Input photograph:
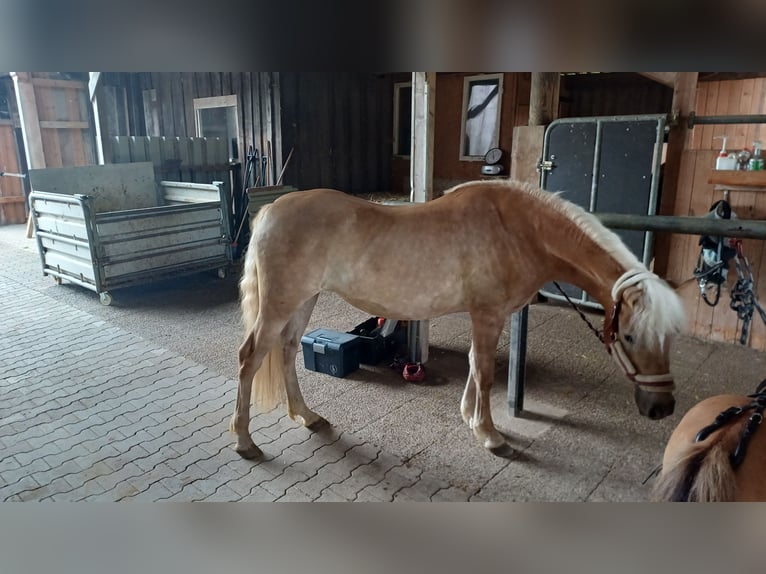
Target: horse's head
[{"x": 644, "y": 316}]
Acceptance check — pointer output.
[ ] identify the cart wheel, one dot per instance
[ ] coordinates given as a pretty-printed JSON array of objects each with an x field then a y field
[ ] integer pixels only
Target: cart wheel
[
  {"x": 58, "y": 280},
  {"x": 222, "y": 272},
  {"x": 105, "y": 298}
]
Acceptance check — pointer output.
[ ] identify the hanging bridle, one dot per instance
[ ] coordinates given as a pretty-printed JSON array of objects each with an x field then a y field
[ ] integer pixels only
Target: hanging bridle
[{"x": 655, "y": 383}]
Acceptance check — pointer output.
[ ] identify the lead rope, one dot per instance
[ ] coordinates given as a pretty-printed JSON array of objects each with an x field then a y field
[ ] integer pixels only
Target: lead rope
[{"x": 598, "y": 333}]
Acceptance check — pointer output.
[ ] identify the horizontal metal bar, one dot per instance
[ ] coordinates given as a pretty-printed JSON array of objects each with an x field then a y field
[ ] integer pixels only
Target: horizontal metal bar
[
  {"x": 746, "y": 228},
  {"x": 694, "y": 119}
]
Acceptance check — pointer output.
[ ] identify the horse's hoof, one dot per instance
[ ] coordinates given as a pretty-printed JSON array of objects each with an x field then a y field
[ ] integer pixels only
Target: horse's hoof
[
  {"x": 502, "y": 451},
  {"x": 249, "y": 453},
  {"x": 319, "y": 424}
]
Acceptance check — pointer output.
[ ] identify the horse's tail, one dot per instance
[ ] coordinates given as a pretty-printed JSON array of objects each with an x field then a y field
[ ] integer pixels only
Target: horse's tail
[
  {"x": 268, "y": 388},
  {"x": 702, "y": 473}
]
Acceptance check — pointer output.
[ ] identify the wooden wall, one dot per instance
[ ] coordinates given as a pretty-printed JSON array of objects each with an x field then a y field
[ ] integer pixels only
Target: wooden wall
[
  {"x": 449, "y": 170},
  {"x": 11, "y": 153},
  {"x": 341, "y": 126},
  {"x": 695, "y": 196},
  {"x": 338, "y": 123},
  {"x": 625, "y": 93}
]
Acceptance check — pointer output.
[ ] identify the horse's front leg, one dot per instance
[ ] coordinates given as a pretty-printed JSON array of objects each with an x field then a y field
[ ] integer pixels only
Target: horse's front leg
[{"x": 475, "y": 405}]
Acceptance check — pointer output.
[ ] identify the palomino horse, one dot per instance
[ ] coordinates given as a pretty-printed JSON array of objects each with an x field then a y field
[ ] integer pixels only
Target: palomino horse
[
  {"x": 484, "y": 247},
  {"x": 705, "y": 459}
]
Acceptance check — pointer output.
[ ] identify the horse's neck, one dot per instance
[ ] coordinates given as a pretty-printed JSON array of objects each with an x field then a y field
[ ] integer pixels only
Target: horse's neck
[{"x": 579, "y": 259}]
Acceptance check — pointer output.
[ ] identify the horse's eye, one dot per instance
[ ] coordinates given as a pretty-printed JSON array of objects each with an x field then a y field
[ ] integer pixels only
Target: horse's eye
[{"x": 629, "y": 339}]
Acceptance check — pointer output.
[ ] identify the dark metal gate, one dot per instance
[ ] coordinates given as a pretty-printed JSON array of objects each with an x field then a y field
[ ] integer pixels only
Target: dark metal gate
[{"x": 606, "y": 164}]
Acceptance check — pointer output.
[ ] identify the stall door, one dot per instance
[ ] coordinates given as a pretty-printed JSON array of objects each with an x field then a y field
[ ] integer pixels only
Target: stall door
[{"x": 609, "y": 165}]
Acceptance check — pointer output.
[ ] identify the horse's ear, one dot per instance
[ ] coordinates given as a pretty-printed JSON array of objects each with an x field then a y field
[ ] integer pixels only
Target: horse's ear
[{"x": 631, "y": 296}]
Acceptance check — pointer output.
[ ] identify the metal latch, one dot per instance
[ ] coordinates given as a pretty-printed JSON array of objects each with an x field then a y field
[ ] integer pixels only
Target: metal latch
[{"x": 546, "y": 165}]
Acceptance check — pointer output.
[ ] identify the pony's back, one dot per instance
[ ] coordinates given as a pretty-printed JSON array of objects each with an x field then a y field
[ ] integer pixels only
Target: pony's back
[{"x": 702, "y": 471}]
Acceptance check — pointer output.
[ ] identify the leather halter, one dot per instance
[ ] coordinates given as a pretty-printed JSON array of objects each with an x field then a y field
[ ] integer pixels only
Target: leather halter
[{"x": 653, "y": 383}]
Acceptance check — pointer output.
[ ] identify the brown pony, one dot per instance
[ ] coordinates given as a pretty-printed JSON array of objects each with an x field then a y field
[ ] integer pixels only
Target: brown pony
[
  {"x": 715, "y": 453},
  {"x": 484, "y": 247}
]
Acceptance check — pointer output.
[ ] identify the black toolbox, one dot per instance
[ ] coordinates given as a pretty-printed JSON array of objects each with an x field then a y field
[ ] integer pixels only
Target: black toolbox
[
  {"x": 331, "y": 352},
  {"x": 375, "y": 348}
]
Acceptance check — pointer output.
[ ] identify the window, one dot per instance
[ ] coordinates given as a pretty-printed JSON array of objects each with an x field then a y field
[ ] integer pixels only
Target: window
[
  {"x": 217, "y": 118},
  {"x": 480, "y": 124},
  {"x": 402, "y": 118}
]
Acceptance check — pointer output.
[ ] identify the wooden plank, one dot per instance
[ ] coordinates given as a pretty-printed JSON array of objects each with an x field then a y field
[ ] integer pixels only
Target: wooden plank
[
  {"x": 246, "y": 103},
  {"x": 726, "y": 92},
  {"x": 64, "y": 125},
  {"x": 703, "y": 196},
  {"x": 12, "y": 210},
  {"x": 679, "y": 246},
  {"x": 259, "y": 141},
  {"x": 177, "y": 104},
  {"x": 526, "y": 151},
  {"x": 151, "y": 112},
  {"x": 165, "y": 95},
  {"x": 188, "y": 95},
  {"x": 277, "y": 123},
  {"x": 711, "y": 103},
  {"x": 679, "y": 139},
  {"x": 730, "y": 177},
  {"x": 30, "y": 122},
  {"x": 544, "y": 98},
  {"x": 51, "y": 83},
  {"x": 83, "y": 133},
  {"x": 266, "y": 126}
]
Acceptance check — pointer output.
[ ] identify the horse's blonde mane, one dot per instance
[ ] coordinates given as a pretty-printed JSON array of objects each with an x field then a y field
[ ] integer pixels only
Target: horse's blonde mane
[{"x": 659, "y": 313}]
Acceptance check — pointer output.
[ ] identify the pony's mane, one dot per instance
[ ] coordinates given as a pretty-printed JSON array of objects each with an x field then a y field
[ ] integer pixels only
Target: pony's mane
[{"x": 659, "y": 313}]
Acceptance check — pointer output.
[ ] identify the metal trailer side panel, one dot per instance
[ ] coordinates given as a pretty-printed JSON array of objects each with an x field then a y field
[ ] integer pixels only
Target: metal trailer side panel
[
  {"x": 64, "y": 237},
  {"x": 132, "y": 247},
  {"x": 121, "y": 248}
]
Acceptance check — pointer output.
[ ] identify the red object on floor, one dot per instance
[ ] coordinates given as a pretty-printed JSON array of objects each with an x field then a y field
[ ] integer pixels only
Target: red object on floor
[{"x": 413, "y": 372}]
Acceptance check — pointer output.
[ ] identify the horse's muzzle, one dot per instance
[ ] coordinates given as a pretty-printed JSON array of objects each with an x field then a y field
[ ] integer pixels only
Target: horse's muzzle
[{"x": 654, "y": 405}]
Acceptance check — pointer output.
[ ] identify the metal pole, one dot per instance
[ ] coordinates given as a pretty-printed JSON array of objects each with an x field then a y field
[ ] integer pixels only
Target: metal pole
[
  {"x": 517, "y": 363},
  {"x": 735, "y": 119},
  {"x": 746, "y": 228}
]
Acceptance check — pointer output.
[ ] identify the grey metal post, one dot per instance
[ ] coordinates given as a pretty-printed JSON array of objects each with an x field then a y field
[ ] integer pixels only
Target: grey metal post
[{"x": 517, "y": 360}]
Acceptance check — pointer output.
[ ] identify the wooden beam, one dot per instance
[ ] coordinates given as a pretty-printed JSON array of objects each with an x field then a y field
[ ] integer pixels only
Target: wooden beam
[
  {"x": 665, "y": 78},
  {"x": 64, "y": 125},
  {"x": 544, "y": 98},
  {"x": 12, "y": 199},
  {"x": 30, "y": 120},
  {"x": 50, "y": 83}
]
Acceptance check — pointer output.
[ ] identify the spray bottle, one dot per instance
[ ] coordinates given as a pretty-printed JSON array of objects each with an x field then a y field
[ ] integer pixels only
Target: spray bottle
[
  {"x": 725, "y": 160},
  {"x": 756, "y": 162}
]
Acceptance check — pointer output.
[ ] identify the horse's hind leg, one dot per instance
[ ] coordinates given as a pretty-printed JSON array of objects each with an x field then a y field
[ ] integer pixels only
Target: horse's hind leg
[
  {"x": 475, "y": 406},
  {"x": 291, "y": 339},
  {"x": 251, "y": 354}
]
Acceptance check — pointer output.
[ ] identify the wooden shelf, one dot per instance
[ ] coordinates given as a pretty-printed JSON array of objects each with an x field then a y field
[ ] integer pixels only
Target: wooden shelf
[{"x": 738, "y": 178}]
